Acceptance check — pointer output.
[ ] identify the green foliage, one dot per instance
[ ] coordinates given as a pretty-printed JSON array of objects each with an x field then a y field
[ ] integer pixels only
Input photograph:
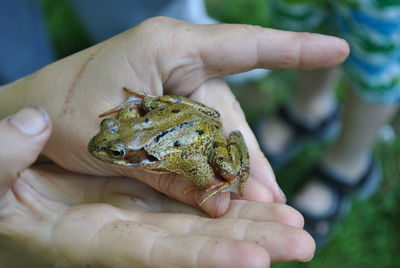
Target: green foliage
[
  {"x": 64, "y": 27},
  {"x": 240, "y": 11}
]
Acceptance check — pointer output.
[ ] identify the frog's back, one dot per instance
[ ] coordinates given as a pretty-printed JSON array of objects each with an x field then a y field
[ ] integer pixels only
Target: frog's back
[{"x": 176, "y": 128}]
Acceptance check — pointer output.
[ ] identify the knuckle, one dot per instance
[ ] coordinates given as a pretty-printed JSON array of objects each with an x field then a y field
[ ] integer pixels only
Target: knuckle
[{"x": 155, "y": 23}]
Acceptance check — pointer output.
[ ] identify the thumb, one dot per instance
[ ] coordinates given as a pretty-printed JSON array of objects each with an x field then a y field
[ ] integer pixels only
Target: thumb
[{"x": 22, "y": 137}]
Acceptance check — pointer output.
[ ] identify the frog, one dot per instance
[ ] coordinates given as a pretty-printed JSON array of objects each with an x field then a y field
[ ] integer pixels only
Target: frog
[{"x": 173, "y": 134}]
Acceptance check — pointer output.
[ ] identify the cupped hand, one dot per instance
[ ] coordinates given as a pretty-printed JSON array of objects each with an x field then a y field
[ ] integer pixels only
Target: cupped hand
[
  {"x": 50, "y": 217},
  {"x": 165, "y": 56}
]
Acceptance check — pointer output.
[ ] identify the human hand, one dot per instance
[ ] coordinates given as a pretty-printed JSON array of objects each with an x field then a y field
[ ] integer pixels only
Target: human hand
[
  {"x": 165, "y": 56},
  {"x": 50, "y": 217}
]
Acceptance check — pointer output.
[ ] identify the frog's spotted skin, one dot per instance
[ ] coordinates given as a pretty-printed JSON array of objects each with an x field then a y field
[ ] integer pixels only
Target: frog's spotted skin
[{"x": 173, "y": 134}]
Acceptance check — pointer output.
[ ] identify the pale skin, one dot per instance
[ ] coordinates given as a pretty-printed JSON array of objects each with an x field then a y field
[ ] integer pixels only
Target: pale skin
[{"x": 160, "y": 55}]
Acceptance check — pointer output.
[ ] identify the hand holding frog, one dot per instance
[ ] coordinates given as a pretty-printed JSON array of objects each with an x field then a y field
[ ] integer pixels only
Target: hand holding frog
[
  {"x": 165, "y": 56},
  {"x": 50, "y": 217}
]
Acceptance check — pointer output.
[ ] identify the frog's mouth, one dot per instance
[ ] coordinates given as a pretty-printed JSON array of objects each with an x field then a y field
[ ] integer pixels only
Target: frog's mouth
[{"x": 139, "y": 157}]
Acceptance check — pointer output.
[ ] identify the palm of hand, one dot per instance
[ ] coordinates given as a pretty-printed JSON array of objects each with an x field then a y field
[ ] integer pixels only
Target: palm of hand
[{"x": 75, "y": 220}]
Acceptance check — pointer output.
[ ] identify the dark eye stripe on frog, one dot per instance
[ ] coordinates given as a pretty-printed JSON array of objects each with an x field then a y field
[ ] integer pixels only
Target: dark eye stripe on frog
[
  {"x": 175, "y": 111},
  {"x": 165, "y": 132}
]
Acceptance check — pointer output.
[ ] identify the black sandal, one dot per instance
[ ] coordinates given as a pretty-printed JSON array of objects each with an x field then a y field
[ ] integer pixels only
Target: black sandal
[
  {"x": 320, "y": 226},
  {"x": 302, "y": 132}
]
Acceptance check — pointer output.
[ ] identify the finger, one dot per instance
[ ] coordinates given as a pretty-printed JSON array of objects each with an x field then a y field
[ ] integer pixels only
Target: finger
[
  {"x": 138, "y": 197},
  {"x": 256, "y": 190},
  {"x": 257, "y": 211},
  {"x": 281, "y": 241},
  {"x": 126, "y": 243},
  {"x": 135, "y": 196},
  {"x": 216, "y": 93},
  {"x": 23, "y": 136},
  {"x": 228, "y": 48},
  {"x": 176, "y": 186},
  {"x": 147, "y": 245}
]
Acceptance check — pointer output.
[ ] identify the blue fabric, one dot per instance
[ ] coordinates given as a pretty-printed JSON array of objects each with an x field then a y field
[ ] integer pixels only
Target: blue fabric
[
  {"x": 370, "y": 68},
  {"x": 385, "y": 27},
  {"x": 104, "y": 18},
  {"x": 24, "y": 45}
]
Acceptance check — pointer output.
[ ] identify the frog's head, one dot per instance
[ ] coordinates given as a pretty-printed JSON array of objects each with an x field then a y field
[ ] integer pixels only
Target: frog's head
[
  {"x": 106, "y": 145},
  {"x": 109, "y": 145}
]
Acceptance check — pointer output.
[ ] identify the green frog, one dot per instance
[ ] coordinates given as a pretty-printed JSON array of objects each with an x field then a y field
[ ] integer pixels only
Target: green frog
[{"x": 173, "y": 134}]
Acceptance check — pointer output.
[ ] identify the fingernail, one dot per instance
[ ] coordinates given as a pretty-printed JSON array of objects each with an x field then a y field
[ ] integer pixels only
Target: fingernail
[{"x": 30, "y": 120}]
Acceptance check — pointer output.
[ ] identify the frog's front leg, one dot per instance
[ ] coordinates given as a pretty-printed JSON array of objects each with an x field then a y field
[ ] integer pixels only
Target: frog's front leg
[{"x": 230, "y": 159}]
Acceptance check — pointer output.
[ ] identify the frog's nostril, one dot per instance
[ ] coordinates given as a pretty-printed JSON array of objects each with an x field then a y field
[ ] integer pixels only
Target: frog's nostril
[{"x": 92, "y": 147}]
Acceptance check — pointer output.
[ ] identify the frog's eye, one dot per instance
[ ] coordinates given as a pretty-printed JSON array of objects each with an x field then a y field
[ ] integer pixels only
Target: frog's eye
[
  {"x": 117, "y": 151},
  {"x": 109, "y": 124}
]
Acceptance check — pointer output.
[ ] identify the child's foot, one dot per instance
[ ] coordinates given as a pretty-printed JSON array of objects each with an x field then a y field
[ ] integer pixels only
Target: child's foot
[{"x": 326, "y": 198}]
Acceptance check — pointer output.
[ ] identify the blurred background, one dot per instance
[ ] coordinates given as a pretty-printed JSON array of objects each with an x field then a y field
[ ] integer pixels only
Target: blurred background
[{"x": 369, "y": 236}]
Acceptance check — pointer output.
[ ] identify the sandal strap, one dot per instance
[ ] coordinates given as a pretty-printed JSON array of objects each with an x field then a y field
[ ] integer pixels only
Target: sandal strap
[
  {"x": 303, "y": 129},
  {"x": 319, "y": 226},
  {"x": 337, "y": 182}
]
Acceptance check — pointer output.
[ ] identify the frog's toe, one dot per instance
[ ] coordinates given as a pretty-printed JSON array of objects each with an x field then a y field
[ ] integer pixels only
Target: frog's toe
[
  {"x": 134, "y": 93},
  {"x": 233, "y": 186}
]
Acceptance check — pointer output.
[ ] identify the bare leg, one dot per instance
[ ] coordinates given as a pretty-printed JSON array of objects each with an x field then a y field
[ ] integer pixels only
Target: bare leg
[
  {"x": 349, "y": 154},
  {"x": 313, "y": 100},
  {"x": 361, "y": 122},
  {"x": 314, "y": 95}
]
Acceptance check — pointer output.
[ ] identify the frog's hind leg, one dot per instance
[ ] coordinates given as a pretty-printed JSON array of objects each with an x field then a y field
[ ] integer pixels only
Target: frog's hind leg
[
  {"x": 231, "y": 160},
  {"x": 152, "y": 103},
  {"x": 134, "y": 93},
  {"x": 225, "y": 186},
  {"x": 194, "y": 167},
  {"x": 135, "y": 99},
  {"x": 214, "y": 114},
  {"x": 126, "y": 104},
  {"x": 236, "y": 140}
]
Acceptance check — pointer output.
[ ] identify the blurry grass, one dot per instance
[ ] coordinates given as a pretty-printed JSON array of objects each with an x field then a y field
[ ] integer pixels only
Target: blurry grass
[
  {"x": 239, "y": 11},
  {"x": 369, "y": 236},
  {"x": 65, "y": 29}
]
